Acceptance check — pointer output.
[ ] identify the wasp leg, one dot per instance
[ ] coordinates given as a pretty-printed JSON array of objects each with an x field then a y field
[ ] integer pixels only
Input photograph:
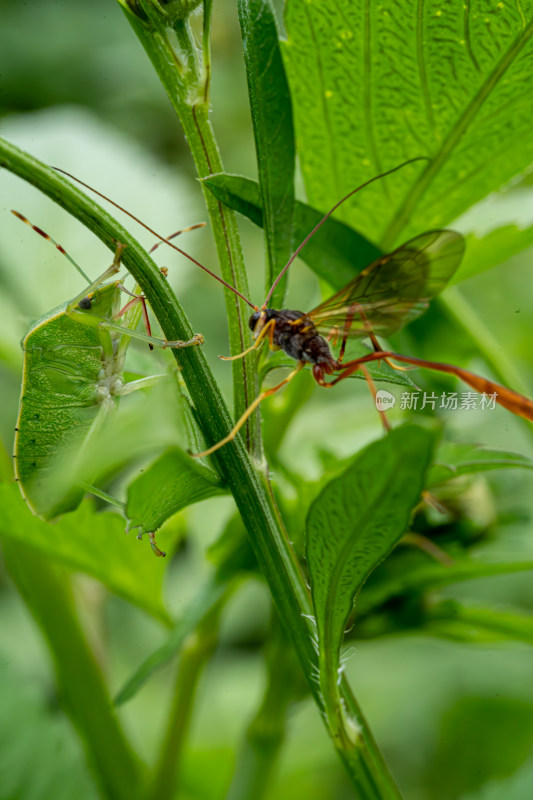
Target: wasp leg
[
  {"x": 373, "y": 392},
  {"x": 346, "y": 332},
  {"x": 251, "y": 408},
  {"x": 333, "y": 335},
  {"x": 513, "y": 401},
  {"x": 318, "y": 375},
  {"x": 268, "y": 329}
]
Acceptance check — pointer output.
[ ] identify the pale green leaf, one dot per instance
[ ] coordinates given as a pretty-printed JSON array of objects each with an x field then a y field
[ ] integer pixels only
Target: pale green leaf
[
  {"x": 207, "y": 599},
  {"x": 433, "y": 575},
  {"x": 32, "y": 732},
  {"x": 453, "y": 620},
  {"x": 89, "y": 542},
  {"x": 492, "y": 250},
  {"x": 171, "y": 483},
  {"x": 454, "y": 459}
]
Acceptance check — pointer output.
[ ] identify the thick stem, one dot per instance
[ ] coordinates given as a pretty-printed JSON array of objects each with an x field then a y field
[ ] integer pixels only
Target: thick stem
[
  {"x": 247, "y": 484},
  {"x": 187, "y": 89},
  {"x": 48, "y": 595}
]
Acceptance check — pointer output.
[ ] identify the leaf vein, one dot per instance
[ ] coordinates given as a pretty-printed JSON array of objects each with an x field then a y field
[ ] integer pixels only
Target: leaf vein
[{"x": 453, "y": 138}]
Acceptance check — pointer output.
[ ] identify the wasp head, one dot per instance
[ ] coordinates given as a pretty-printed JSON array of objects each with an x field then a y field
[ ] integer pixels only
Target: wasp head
[{"x": 257, "y": 321}]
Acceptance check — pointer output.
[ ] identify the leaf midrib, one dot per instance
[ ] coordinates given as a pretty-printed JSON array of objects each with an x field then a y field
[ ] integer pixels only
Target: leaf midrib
[
  {"x": 420, "y": 187},
  {"x": 342, "y": 558}
]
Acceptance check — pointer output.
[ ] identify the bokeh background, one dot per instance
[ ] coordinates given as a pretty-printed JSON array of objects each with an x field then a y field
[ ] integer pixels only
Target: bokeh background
[{"x": 454, "y": 720}]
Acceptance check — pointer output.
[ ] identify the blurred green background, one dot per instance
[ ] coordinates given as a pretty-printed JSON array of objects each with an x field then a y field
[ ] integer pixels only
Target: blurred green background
[{"x": 454, "y": 720}]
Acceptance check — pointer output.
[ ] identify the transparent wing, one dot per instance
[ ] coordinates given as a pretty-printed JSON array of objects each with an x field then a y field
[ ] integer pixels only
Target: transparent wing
[{"x": 393, "y": 290}]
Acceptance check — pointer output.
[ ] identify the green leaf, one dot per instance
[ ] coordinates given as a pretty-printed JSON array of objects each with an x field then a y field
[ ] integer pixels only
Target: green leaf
[
  {"x": 159, "y": 417},
  {"x": 32, "y": 732},
  {"x": 500, "y": 727},
  {"x": 233, "y": 557},
  {"x": 357, "y": 520},
  {"x": 336, "y": 252},
  {"x": 454, "y": 459},
  {"x": 208, "y": 598},
  {"x": 92, "y": 543},
  {"x": 270, "y": 104},
  {"x": 171, "y": 483},
  {"x": 453, "y": 620},
  {"x": 431, "y": 576},
  {"x": 492, "y": 250},
  {"x": 374, "y": 84}
]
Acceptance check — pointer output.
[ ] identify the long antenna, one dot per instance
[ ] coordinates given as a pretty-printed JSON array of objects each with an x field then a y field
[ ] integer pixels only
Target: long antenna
[
  {"x": 325, "y": 217},
  {"x": 157, "y": 235},
  {"x": 53, "y": 241}
]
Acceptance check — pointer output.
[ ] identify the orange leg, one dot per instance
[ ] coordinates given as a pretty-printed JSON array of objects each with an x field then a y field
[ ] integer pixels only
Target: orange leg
[
  {"x": 267, "y": 330},
  {"x": 373, "y": 391},
  {"x": 371, "y": 335},
  {"x": 333, "y": 335},
  {"x": 512, "y": 401},
  {"x": 251, "y": 408},
  {"x": 318, "y": 375},
  {"x": 346, "y": 332}
]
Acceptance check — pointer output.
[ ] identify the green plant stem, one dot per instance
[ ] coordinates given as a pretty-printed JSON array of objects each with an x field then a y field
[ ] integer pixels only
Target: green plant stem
[
  {"x": 187, "y": 88},
  {"x": 195, "y": 653},
  {"x": 47, "y": 592},
  {"x": 247, "y": 483},
  {"x": 343, "y": 727},
  {"x": 266, "y": 732}
]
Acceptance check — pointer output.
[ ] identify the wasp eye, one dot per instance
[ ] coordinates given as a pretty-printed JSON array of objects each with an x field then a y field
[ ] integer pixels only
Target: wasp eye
[
  {"x": 85, "y": 303},
  {"x": 252, "y": 322}
]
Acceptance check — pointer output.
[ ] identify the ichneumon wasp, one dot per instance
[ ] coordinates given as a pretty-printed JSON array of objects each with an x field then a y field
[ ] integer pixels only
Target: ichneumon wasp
[{"x": 385, "y": 296}]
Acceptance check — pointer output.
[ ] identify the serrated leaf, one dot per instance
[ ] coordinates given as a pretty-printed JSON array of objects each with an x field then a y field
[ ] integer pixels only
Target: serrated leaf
[
  {"x": 356, "y": 521},
  {"x": 89, "y": 542},
  {"x": 270, "y": 105},
  {"x": 171, "y": 483},
  {"x": 335, "y": 253},
  {"x": 374, "y": 84},
  {"x": 454, "y": 459}
]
